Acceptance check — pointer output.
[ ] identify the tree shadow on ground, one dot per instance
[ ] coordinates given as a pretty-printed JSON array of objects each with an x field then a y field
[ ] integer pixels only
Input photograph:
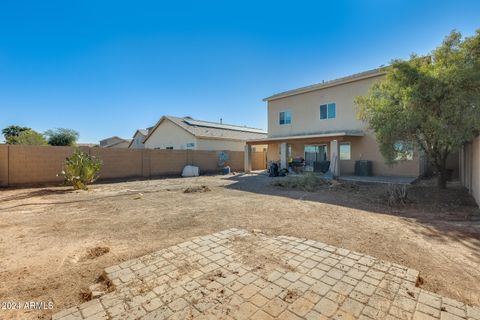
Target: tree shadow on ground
[
  {"x": 446, "y": 215},
  {"x": 36, "y": 193}
]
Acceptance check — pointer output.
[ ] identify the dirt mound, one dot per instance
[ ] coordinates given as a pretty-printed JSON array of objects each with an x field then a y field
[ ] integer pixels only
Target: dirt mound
[
  {"x": 345, "y": 186},
  {"x": 201, "y": 188},
  {"x": 306, "y": 182},
  {"x": 96, "y": 252}
]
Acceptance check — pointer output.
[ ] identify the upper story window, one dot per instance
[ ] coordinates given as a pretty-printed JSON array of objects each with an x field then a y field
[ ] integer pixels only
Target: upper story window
[
  {"x": 285, "y": 117},
  {"x": 328, "y": 111}
]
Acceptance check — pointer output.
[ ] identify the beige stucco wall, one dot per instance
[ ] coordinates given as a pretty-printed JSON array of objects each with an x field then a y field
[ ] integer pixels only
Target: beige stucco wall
[
  {"x": 220, "y": 144},
  {"x": 362, "y": 148},
  {"x": 273, "y": 152},
  {"x": 366, "y": 148},
  {"x": 168, "y": 134},
  {"x": 305, "y": 110}
]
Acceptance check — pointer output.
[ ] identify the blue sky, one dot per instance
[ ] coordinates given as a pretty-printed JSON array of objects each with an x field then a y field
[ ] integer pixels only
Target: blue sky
[{"x": 107, "y": 68}]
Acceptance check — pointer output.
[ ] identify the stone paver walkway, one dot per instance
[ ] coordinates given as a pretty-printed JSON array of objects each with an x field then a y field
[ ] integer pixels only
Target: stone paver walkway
[{"x": 235, "y": 274}]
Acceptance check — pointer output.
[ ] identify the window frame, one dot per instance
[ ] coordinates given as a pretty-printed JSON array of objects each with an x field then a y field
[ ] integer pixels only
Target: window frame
[
  {"x": 328, "y": 117},
  {"x": 346, "y": 143},
  {"x": 289, "y": 112}
]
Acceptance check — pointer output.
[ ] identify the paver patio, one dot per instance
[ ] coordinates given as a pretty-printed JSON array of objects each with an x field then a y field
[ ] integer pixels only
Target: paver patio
[{"x": 236, "y": 274}]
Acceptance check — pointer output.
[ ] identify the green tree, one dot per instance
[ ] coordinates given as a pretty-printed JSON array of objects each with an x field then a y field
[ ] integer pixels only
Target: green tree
[
  {"x": 62, "y": 137},
  {"x": 11, "y": 132},
  {"x": 432, "y": 101},
  {"x": 29, "y": 137}
]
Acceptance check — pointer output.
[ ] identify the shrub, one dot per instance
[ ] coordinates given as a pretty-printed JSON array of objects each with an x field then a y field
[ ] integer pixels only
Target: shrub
[
  {"x": 11, "y": 132},
  {"x": 80, "y": 170},
  {"x": 306, "y": 182},
  {"x": 62, "y": 137},
  {"x": 28, "y": 137},
  {"x": 397, "y": 194}
]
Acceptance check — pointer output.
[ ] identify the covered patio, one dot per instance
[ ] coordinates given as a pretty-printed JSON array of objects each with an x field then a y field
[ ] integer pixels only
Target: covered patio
[{"x": 312, "y": 149}]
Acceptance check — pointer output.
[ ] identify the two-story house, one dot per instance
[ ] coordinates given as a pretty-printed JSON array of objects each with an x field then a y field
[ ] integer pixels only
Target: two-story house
[{"x": 319, "y": 122}]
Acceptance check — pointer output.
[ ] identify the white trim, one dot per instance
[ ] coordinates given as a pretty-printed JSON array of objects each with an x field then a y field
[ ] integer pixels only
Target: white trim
[
  {"x": 324, "y": 135},
  {"x": 348, "y": 79}
]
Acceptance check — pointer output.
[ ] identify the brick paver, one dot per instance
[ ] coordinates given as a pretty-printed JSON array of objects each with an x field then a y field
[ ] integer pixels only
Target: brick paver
[{"x": 235, "y": 274}]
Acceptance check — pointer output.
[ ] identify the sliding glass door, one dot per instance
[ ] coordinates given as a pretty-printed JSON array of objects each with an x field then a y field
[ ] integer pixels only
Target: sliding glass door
[{"x": 314, "y": 153}]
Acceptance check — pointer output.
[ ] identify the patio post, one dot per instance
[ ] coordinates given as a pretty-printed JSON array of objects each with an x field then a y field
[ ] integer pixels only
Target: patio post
[
  {"x": 334, "y": 158},
  {"x": 247, "y": 162},
  {"x": 283, "y": 155}
]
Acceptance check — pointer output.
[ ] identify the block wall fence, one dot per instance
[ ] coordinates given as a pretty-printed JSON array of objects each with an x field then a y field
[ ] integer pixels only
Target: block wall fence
[
  {"x": 470, "y": 167},
  {"x": 28, "y": 165}
]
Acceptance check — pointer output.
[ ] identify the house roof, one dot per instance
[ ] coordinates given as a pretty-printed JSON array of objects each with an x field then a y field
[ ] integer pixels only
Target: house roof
[
  {"x": 117, "y": 143},
  {"x": 87, "y": 145},
  {"x": 112, "y": 137},
  {"x": 212, "y": 130},
  {"x": 331, "y": 83},
  {"x": 143, "y": 132}
]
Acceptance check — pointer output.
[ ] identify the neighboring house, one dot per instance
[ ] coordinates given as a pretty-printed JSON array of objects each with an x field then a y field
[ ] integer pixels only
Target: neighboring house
[
  {"x": 188, "y": 133},
  {"x": 319, "y": 122},
  {"x": 138, "y": 139},
  {"x": 114, "y": 142},
  {"x": 89, "y": 145}
]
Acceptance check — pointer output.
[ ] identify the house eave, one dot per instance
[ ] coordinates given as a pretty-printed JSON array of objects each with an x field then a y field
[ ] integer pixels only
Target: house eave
[
  {"x": 308, "y": 136},
  {"x": 349, "y": 79}
]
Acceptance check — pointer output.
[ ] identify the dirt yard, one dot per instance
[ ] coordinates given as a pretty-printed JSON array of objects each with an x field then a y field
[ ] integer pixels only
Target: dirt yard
[{"x": 55, "y": 243}]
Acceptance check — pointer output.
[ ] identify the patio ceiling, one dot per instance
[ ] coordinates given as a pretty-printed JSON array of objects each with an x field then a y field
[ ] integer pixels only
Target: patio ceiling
[{"x": 327, "y": 136}]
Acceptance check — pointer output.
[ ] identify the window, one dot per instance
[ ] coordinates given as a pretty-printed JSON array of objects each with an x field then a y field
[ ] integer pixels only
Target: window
[
  {"x": 328, "y": 111},
  {"x": 345, "y": 151},
  {"x": 285, "y": 117},
  {"x": 404, "y": 151}
]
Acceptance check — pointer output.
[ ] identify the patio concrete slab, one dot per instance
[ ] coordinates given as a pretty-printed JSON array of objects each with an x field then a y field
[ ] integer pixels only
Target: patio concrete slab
[
  {"x": 379, "y": 179},
  {"x": 235, "y": 274}
]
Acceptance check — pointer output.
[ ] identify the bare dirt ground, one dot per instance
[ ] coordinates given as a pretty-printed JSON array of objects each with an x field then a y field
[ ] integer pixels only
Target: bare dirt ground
[{"x": 55, "y": 243}]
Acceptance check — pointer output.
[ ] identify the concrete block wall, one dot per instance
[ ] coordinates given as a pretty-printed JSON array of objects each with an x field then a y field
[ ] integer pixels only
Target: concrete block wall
[
  {"x": 3, "y": 166},
  {"x": 35, "y": 164},
  {"x": 119, "y": 162},
  {"x": 167, "y": 162},
  {"x": 470, "y": 167},
  {"x": 27, "y": 165}
]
